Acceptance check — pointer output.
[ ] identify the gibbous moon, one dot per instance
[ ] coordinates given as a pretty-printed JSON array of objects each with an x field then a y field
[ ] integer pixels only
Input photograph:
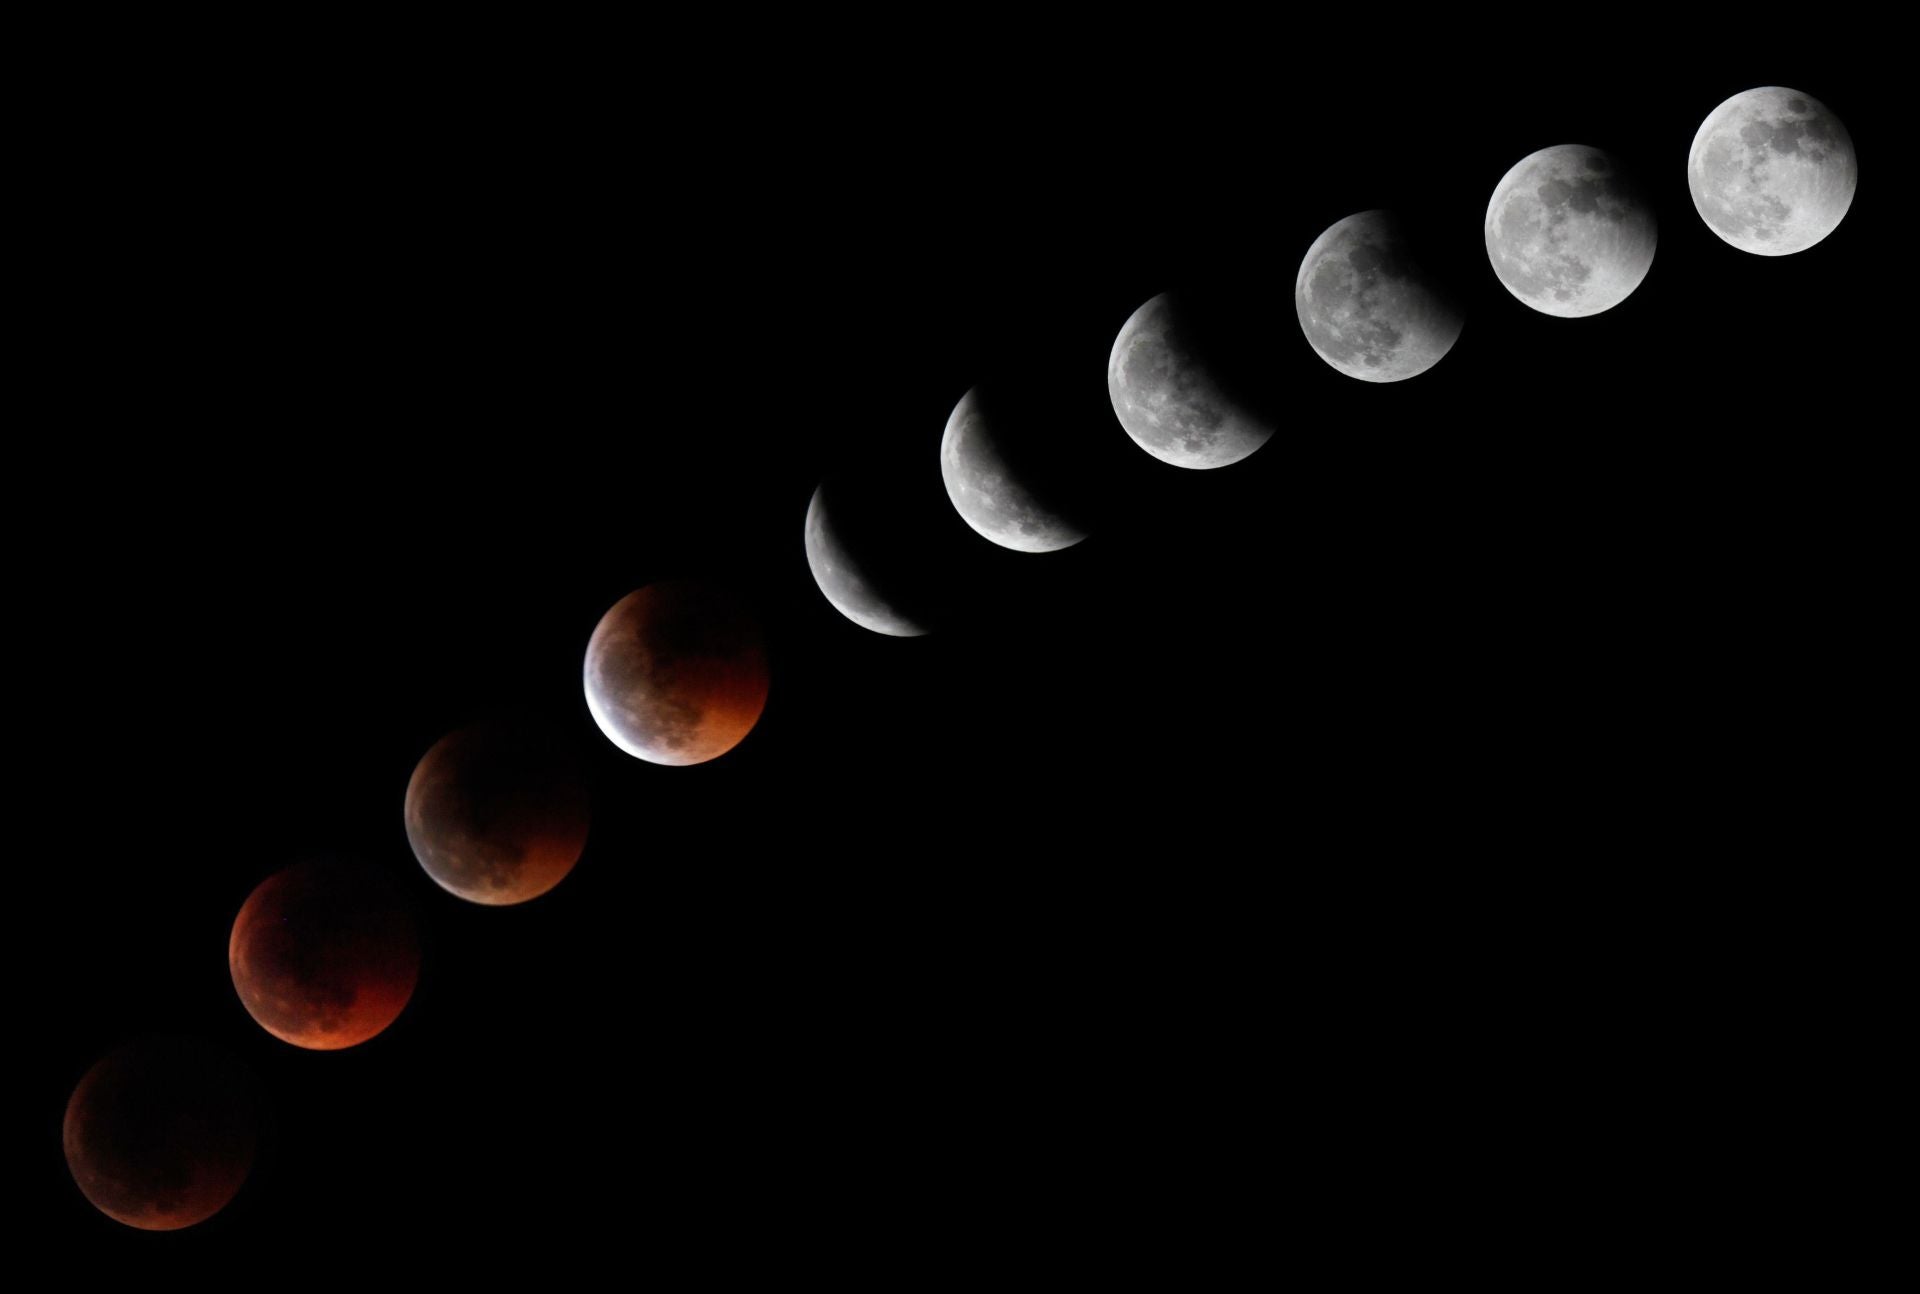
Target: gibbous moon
[
  {"x": 676, "y": 672},
  {"x": 1772, "y": 171},
  {"x": 1367, "y": 307},
  {"x": 846, "y": 577},
  {"x": 160, "y": 1134},
  {"x": 980, "y": 463},
  {"x": 1567, "y": 233},
  {"x": 324, "y": 955},
  {"x": 1168, "y": 392},
  {"x": 497, "y": 813}
]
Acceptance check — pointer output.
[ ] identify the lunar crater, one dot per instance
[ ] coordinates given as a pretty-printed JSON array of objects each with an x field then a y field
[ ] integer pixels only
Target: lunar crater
[
  {"x": 1568, "y": 233},
  {"x": 1772, "y": 171}
]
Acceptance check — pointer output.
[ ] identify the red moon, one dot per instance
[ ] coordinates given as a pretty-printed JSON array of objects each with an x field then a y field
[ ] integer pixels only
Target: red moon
[
  {"x": 497, "y": 813},
  {"x": 324, "y": 955},
  {"x": 677, "y": 672},
  {"x": 160, "y": 1134}
]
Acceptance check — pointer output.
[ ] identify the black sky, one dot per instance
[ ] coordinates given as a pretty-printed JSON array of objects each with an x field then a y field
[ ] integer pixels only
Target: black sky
[{"x": 1461, "y": 805}]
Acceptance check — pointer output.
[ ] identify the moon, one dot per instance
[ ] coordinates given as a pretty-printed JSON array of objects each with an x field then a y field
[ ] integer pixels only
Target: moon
[
  {"x": 1168, "y": 394},
  {"x": 980, "y": 462},
  {"x": 1366, "y": 306},
  {"x": 497, "y": 813},
  {"x": 1568, "y": 233},
  {"x": 324, "y": 955},
  {"x": 160, "y": 1134},
  {"x": 676, "y": 672},
  {"x": 845, "y": 577},
  {"x": 1772, "y": 171}
]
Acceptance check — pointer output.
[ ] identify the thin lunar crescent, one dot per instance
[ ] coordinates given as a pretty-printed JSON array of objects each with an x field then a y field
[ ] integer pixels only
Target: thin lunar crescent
[
  {"x": 844, "y": 579},
  {"x": 986, "y": 489},
  {"x": 1772, "y": 171},
  {"x": 1567, "y": 233}
]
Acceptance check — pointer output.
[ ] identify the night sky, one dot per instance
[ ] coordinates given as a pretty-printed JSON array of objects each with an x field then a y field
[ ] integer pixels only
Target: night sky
[{"x": 1452, "y": 820}]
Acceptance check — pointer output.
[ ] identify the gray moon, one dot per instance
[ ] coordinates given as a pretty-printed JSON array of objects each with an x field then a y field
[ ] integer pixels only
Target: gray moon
[
  {"x": 1772, "y": 171},
  {"x": 843, "y": 582},
  {"x": 1365, "y": 306},
  {"x": 1568, "y": 234},
  {"x": 497, "y": 813},
  {"x": 677, "y": 673},
  {"x": 1168, "y": 401},
  {"x": 988, "y": 494}
]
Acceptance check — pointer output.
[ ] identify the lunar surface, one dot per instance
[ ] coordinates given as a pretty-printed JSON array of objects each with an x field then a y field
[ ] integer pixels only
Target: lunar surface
[
  {"x": 676, "y": 672},
  {"x": 324, "y": 955},
  {"x": 983, "y": 476},
  {"x": 1366, "y": 306},
  {"x": 1567, "y": 233},
  {"x": 160, "y": 1134},
  {"x": 497, "y": 813},
  {"x": 845, "y": 577},
  {"x": 1772, "y": 171},
  {"x": 1169, "y": 396}
]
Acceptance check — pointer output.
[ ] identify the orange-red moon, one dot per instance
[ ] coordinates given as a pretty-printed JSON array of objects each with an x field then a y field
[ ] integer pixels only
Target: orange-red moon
[
  {"x": 160, "y": 1134},
  {"x": 677, "y": 672},
  {"x": 324, "y": 955},
  {"x": 497, "y": 813}
]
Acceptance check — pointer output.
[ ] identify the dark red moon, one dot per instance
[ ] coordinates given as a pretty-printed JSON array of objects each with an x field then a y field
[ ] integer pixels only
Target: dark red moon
[
  {"x": 324, "y": 955},
  {"x": 160, "y": 1134},
  {"x": 497, "y": 813}
]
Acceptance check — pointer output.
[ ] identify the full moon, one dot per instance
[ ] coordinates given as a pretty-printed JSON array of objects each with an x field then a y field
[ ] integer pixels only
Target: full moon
[
  {"x": 324, "y": 955},
  {"x": 844, "y": 576},
  {"x": 1367, "y": 307},
  {"x": 676, "y": 672},
  {"x": 980, "y": 462},
  {"x": 1567, "y": 233},
  {"x": 1772, "y": 171},
  {"x": 160, "y": 1134},
  {"x": 497, "y": 813},
  {"x": 1169, "y": 396}
]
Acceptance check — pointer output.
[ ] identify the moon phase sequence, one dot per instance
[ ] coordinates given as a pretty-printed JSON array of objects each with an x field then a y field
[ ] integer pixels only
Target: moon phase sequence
[
  {"x": 1366, "y": 306},
  {"x": 1567, "y": 233},
  {"x": 676, "y": 673},
  {"x": 1772, "y": 171}
]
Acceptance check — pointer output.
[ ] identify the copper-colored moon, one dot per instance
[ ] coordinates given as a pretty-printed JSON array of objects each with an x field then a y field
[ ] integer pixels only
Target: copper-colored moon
[
  {"x": 324, "y": 955},
  {"x": 160, "y": 1134},
  {"x": 497, "y": 813},
  {"x": 677, "y": 673}
]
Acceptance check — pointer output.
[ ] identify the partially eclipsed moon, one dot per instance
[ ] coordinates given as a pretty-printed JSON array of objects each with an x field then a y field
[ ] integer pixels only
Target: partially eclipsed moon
[
  {"x": 324, "y": 955},
  {"x": 497, "y": 813},
  {"x": 676, "y": 673},
  {"x": 1567, "y": 233},
  {"x": 1366, "y": 306},
  {"x": 1772, "y": 171},
  {"x": 844, "y": 576},
  {"x": 986, "y": 486},
  {"x": 1168, "y": 397},
  {"x": 160, "y": 1134}
]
